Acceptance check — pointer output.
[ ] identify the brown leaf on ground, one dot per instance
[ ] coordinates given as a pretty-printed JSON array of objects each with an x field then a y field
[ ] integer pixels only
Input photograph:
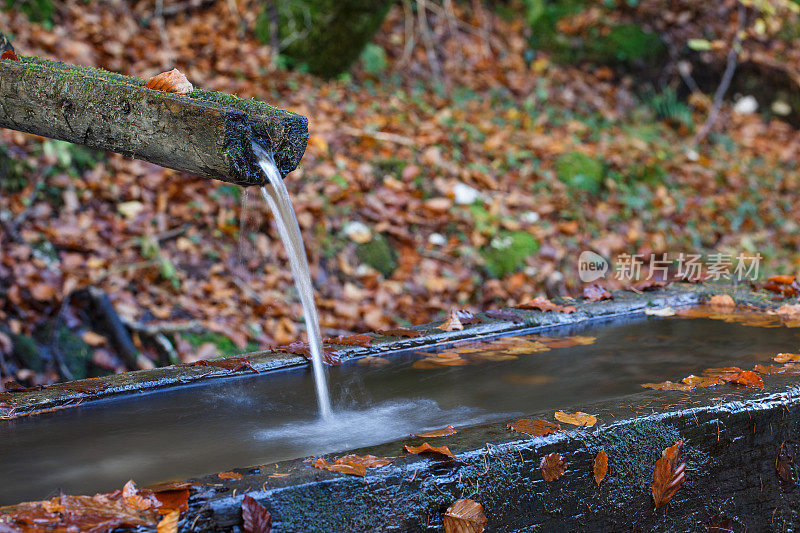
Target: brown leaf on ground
[
  {"x": 464, "y": 516},
  {"x": 543, "y": 304},
  {"x": 231, "y": 364},
  {"x": 452, "y": 323},
  {"x": 255, "y": 516},
  {"x": 535, "y": 427},
  {"x": 351, "y": 340},
  {"x": 400, "y": 332},
  {"x": 93, "y": 339},
  {"x": 600, "y": 466},
  {"x": 427, "y": 448},
  {"x": 504, "y": 314},
  {"x": 229, "y": 475},
  {"x": 668, "y": 475},
  {"x": 552, "y": 467},
  {"x": 576, "y": 419},
  {"x": 721, "y": 301},
  {"x": 596, "y": 293},
  {"x": 169, "y": 524},
  {"x": 444, "y": 432},
  {"x": 172, "y": 81}
]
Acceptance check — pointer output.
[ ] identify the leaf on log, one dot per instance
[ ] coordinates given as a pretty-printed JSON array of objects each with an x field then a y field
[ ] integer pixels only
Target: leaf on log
[
  {"x": 169, "y": 524},
  {"x": 172, "y": 81},
  {"x": 354, "y": 465},
  {"x": 452, "y": 323},
  {"x": 172, "y": 500},
  {"x": 668, "y": 385},
  {"x": 746, "y": 378},
  {"x": 534, "y": 427},
  {"x": 721, "y": 301},
  {"x": 467, "y": 317},
  {"x": 134, "y": 499},
  {"x": 576, "y": 419},
  {"x": 464, "y": 516},
  {"x": 552, "y": 467},
  {"x": 543, "y": 304},
  {"x": 400, "y": 332},
  {"x": 600, "y": 466},
  {"x": 329, "y": 357},
  {"x": 444, "y": 432},
  {"x": 255, "y": 516},
  {"x": 786, "y": 357},
  {"x": 596, "y": 293},
  {"x": 769, "y": 369},
  {"x": 718, "y": 524},
  {"x": 787, "y": 473},
  {"x": 231, "y": 364},
  {"x": 351, "y": 340},
  {"x": 229, "y": 475},
  {"x": 427, "y": 448},
  {"x": 668, "y": 475},
  {"x": 660, "y": 312},
  {"x": 9, "y": 54},
  {"x": 504, "y": 314}
]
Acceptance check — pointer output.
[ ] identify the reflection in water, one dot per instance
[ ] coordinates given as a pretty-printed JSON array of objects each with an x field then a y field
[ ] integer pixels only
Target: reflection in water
[{"x": 251, "y": 420}]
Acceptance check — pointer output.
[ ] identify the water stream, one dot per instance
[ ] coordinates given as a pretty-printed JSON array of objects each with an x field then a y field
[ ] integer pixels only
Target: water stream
[{"x": 279, "y": 202}]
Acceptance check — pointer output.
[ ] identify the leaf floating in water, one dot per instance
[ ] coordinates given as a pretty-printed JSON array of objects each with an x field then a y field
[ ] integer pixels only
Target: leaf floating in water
[
  {"x": 504, "y": 314},
  {"x": 534, "y": 427},
  {"x": 351, "y": 340},
  {"x": 596, "y": 293},
  {"x": 373, "y": 360},
  {"x": 173, "y": 81},
  {"x": 718, "y": 524},
  {"x": 444, "y": 432},
  {"x": 543, "y": 304},
  {"x": 231, "y": 364},
  {"x": 427, "y": 448},
  {"x": 464, "y": 516},
  {"x": 721, "y": 301},
  {"x": 452, "y": 323},
  {"x": 660, "y": 311},
  {"x": 668, "y": 475},
  {"x": 552, "y": 467},
  {"x": 400, "y": 332},
  {"x": 169, "y": 524},
  {"x": 576, "y": 419},
  {"x": 600, "y": 466},
  {"x": 229, "y": 475},
  {"x": 255, "y": 516}
]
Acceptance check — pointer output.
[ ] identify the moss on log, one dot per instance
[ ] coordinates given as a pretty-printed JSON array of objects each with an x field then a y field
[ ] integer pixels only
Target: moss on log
[{"x": 203, "y": 133}]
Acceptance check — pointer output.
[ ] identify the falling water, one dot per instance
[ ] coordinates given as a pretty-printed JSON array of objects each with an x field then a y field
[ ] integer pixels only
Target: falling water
[{"x": 277, "y": 197}]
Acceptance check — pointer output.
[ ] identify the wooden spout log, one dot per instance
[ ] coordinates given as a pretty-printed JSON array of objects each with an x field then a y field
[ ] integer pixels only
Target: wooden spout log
[{"x": 204, "y": 133}]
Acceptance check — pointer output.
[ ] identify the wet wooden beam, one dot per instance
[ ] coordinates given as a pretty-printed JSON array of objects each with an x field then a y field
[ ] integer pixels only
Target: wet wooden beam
[{"x": 204, "y": 133}]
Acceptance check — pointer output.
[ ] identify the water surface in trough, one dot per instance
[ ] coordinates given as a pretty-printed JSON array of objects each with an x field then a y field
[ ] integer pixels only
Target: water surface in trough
[{"x": 241, "y": 421}]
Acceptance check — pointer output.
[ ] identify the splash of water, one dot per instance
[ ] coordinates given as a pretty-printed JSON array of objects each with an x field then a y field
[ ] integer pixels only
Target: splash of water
[{"x": 279, "y": 202}]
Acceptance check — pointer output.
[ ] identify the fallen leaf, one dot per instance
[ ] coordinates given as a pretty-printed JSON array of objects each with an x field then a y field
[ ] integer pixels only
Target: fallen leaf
[
  {"x": 401, "y": 332},
  {"x": 373, "y": 360},
  {"x": 130, "y": 209},
  {"x": 171, "y": 499},
  {"x": 747, "y": 378},
  {"x": 543, "y": 304},
  {"x": 427, "y": 448},
  {"x": 576, "y": 419},
  {"x": 769, "y": 369},
  {"x": 786, "y": 357},
  {"x": 444, "y": 432},
  {"x": 668, "y": 385},
  {"x": 353, "y": 469},
  {"x": 785, "y": 468},
  {"x": 231, "y": 364},
  {"x": 596, "y": 293},
  {"x": 721, "y": 301},
  {"x": 255, "y": 516},
  {"x": 600, "y": 466},
  {"x": 169, "y": 524},
  {"x": 660, "y": 311},
  {"x": 467, "y": 317},
  {"x": 351, "y": 340},
  {"x": 464, "y": 516},
  {"x": 718, "y": 524},
  {"x": 788, "y": 311},
  {"x": 93, "y": 339},
  {"x": 784, "y": 280},
  {"x": 552, "y": 467},
  {"x": 9, "y": 54},
  {"x": 452, "y": 323},
  {"x": 504, "y": 314},
  {"x": 330, "y": 357},
  {"x": 668, "y": 475},
  {"x": 229, "y": 475},
  {"x": 534, "y": 427},
  {"x": 135, "y": 500},
  {"x": 173, "y": 81}
]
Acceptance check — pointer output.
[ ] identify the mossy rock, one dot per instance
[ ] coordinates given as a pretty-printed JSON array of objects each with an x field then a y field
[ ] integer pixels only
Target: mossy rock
[
  {"x": 580, "y": 171},
  {"x": 325, "y": 35},
  {"x": 378, "y": 254},
  {"x": 507, "y": 252}
]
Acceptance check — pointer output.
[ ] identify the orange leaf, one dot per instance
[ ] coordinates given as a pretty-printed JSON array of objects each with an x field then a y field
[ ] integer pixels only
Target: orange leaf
[
  {"x": 552, "y": 467},
  {"x": 9, "y": 54},
  {"x": 785, "y": 280},
  {"x": 444, "y": 432},
  {"x": 351, "y": 340},
  {"x": 172, "y": 500},
  {"x": 172, "y": 81},
  {"x": 576, "y": 419},
  {"x": 543, "y": 304},
  {"x": 169, "y": 524},
  {"x": 721, "y": 301},
  {"x": 668, "y": 385},
  {"x": 534, "y": 427},
  {"x": 369, "y": 461},
  {"x": 133, "y": 499},
  {"x": 453, "y": 323},
  {"x": 344, "y": 468},
  {"x": 255, "y": 516},
  {"x": 769, "y": 369},
  {"x": 427, "y": 448},
  {"x": 464, "y": 516},
  {"x": 229, "y": 475},
  {"x": 668, "y": 475},
  {"x": 748, "y": 378},
  {"x": 93, "y": 339},
  {"x": 600, "y": 466},
  {"x": 786, "y": 357},
  {"x": 596, "y": 293}
]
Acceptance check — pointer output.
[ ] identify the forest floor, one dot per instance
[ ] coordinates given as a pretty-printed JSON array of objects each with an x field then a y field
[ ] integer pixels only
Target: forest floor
[{"x": 472, "y": 178}]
